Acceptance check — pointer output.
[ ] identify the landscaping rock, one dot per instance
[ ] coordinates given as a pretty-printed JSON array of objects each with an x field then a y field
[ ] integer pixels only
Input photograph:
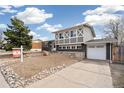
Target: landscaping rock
[
  {"x": 15, "y": 81},
  {"x": 45, "y": 53}
]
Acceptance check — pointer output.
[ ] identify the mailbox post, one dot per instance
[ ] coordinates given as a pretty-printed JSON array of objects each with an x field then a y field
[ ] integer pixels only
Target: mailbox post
[{"x": 21, "y": 53}]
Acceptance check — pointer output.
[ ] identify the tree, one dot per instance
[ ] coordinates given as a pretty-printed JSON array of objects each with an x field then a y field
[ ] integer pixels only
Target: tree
[
  {"x": 115, "y": 29},
  {"x": 1, "y": 44},
  {"x": 17, "y": 34}
]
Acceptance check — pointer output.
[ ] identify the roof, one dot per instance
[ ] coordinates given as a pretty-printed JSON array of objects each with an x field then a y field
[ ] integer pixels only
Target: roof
[
  {"x": 78, "y": 26},
  {"x": 104, "y": 40},
  {"x": 49, "y": 40},
  {"x": 37, "y": 40}
]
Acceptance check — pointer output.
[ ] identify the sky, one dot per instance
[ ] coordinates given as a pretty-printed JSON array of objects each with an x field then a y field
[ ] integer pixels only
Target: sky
[{"x": 42, "y": 20}]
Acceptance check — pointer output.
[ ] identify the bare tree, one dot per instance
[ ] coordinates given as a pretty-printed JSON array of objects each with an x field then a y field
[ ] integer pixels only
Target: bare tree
[{"x": 115, "y": 29}]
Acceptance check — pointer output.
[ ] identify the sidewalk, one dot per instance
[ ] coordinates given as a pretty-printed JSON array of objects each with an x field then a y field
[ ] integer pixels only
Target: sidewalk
[
  {"x": 3, "y": 83},
  {"x": 78, "y": 75}
]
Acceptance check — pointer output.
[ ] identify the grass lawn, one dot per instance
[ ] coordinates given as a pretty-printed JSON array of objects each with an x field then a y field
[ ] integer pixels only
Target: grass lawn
[
  {"x": 34, "y": 65},
  {"x": 117, "y": 71}
]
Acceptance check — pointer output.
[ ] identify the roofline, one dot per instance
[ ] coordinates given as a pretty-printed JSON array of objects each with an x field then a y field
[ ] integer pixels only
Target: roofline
[
  {"x": 96, "y": 42},
  {"x": 48, "y": 40},
  {"x": 86, "y": 25},
  {"x": 37, "y": 40}
]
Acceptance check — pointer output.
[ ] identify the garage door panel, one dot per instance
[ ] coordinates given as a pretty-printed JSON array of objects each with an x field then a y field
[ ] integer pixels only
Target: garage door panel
[{"x": 96, "y": 52}]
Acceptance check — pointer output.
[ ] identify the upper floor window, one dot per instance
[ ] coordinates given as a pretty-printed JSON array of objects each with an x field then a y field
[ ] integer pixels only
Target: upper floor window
[
  {"x": 56, "y": 36},
  {"x": 72, "y": 33},
  {"x": 61, "y": 36}
]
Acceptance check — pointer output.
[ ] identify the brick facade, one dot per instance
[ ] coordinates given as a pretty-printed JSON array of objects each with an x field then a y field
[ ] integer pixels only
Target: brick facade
[{"x": 36, "y": 45}]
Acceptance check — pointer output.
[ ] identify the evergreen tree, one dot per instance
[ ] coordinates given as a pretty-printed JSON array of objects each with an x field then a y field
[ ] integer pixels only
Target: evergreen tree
[{"x": 17, "y": 34}]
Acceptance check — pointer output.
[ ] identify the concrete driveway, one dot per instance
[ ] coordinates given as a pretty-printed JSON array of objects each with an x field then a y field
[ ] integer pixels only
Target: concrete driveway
[{"x": 84, "y": 74}]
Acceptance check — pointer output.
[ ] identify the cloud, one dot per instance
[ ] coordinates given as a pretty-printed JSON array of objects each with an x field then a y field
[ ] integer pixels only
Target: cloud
[
  {"x": 43, "y": 38},
  {"x": 17, "y": 6},
  {"x": 10, "y": 6},
  {"x": 33, "y": 34},
  {"x": 6, "y": 9},
  {"x": 33, "y": 15},
  {"x": 37, "y": 36},
  {"x": 100, "y": 19},
  {"x": 5, "y": 6},
  {"x": 50, "y": 28},
  {"x": 102, "y": 15},
  {"x": 3, "y": 26},
  {"x": 104, "y": 9}
]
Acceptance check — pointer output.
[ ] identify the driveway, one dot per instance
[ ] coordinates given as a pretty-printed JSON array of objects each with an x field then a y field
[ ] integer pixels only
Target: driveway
[{"x": 84, "y": 74}]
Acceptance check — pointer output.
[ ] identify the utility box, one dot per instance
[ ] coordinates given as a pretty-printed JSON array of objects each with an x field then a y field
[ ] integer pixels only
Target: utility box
[{"x": 16, "y": 52}]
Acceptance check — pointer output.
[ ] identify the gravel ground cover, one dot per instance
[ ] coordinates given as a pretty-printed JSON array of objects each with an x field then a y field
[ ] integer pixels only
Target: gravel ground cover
[{"x": 33, "y": 68}]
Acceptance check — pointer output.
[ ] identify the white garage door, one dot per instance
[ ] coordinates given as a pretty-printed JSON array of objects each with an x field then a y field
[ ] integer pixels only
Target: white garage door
[{"x": 96, "y": 52}]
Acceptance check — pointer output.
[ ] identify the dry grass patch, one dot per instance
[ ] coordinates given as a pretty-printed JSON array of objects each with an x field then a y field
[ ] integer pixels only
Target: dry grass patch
[{"x": 34, "y": 65}]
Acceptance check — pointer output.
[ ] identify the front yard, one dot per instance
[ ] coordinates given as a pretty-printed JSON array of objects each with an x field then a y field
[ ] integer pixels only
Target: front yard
[
  {"x": 34, "y": 68},
  {"x": 34, "y": 65}
]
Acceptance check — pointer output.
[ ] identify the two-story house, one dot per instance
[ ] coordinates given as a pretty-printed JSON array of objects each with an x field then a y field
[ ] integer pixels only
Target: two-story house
[{"x": 73, "y": 39}]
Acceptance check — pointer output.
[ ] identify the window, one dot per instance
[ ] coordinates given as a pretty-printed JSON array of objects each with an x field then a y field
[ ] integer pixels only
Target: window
[
  {"x": 60, "y": 47},
  {"x": 72, "y": 33},
  {"x": 73, "y": 47},
  {"x": 91, "y": 46},
  {"x": 68, "y": 47},
  {"x": 64, "y": 47},
  {"x": 79, "y": 47},
  {"x": 56, "y": 36},
  {"x": 60, "y": 36},
  {"x": 100, "y": 46}
]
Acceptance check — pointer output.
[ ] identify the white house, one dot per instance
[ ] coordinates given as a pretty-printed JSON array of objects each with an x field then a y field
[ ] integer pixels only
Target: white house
[
  {"x": 80, "y": 41},
  {"x": 72, "y": 39}
]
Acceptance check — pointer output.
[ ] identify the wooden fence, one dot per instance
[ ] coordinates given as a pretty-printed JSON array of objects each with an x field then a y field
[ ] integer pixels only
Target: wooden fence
[{"x": 118, "y": 53}]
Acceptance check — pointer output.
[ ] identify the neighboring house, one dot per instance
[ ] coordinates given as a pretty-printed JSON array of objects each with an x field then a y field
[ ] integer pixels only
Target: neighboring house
[
  {"x": 73, "y": 39},
  {"x": 48, "y": 45},
  {"x": 36, "y": 45},
  {"x": 100, "y": 49}
]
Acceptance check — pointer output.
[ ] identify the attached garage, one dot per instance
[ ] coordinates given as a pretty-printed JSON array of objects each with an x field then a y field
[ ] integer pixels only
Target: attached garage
[
  {"x": 96, "y": 51},
  {"x": 99, "y": 49}
]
